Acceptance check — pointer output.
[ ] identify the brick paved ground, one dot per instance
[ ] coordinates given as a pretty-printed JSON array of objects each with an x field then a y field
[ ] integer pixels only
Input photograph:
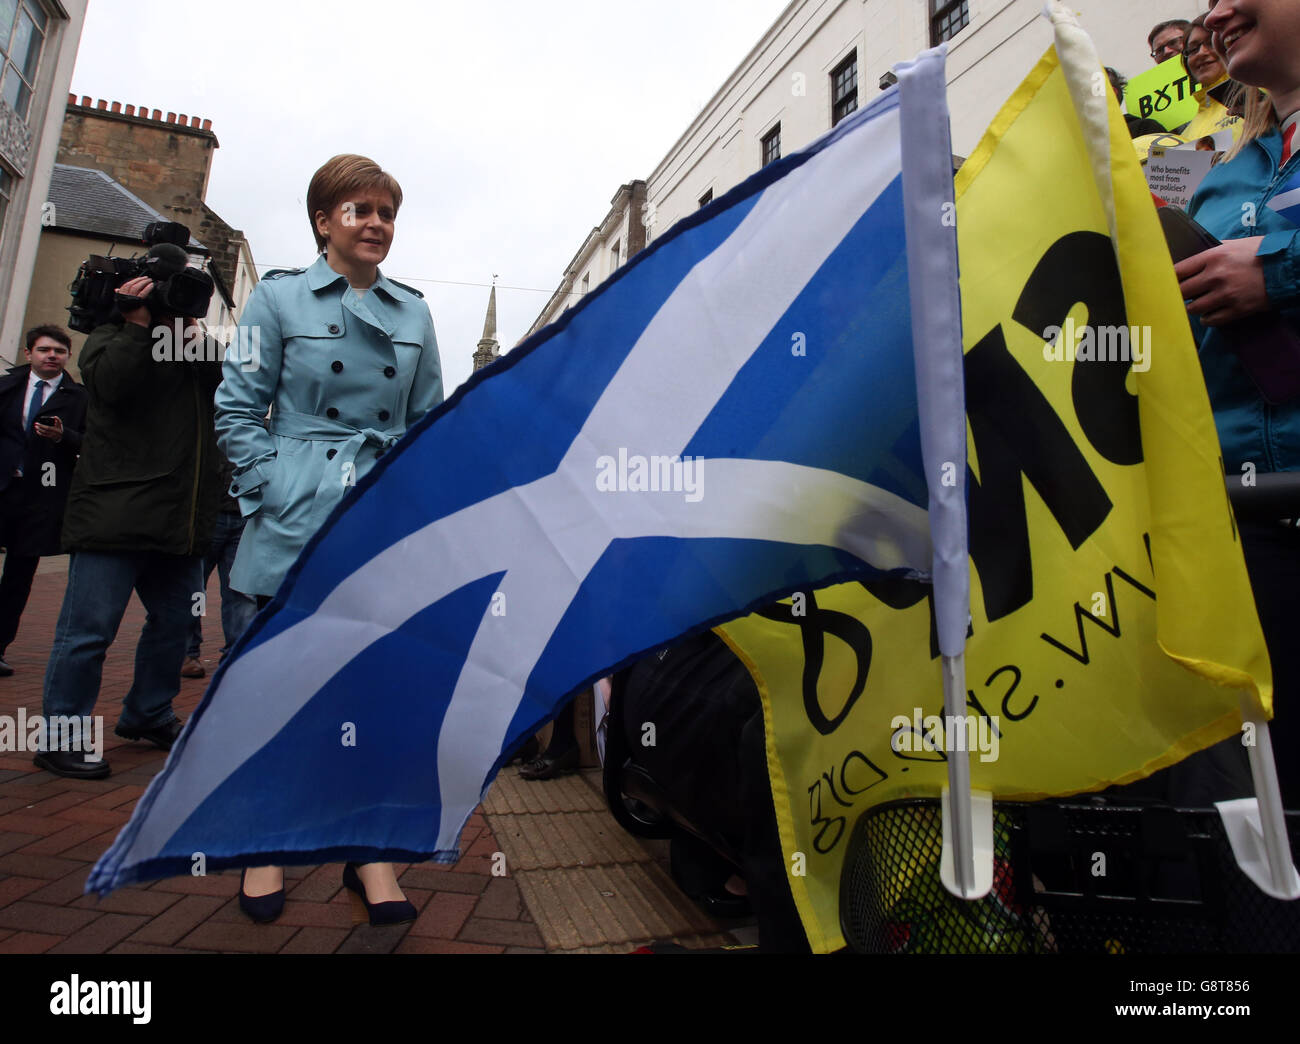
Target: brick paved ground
[{"x": 53, "y": 829}]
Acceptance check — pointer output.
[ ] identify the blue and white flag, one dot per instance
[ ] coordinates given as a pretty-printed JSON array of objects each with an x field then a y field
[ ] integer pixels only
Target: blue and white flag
[
  {"x": 732, "y": 417},
  {"x": 1287, "y": 202}
]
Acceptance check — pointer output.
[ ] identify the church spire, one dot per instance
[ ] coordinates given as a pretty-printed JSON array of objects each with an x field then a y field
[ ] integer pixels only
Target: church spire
[
  {"x": 488, "y": 347},
  {"x": 490, "y": 324}
]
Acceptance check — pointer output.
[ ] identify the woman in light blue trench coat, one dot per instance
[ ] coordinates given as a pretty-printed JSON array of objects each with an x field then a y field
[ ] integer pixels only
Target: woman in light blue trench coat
[{"x": 346, "y": 360}]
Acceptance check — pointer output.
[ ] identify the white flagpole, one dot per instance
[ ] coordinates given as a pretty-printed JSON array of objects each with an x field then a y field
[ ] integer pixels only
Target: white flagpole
[
  {"x": 1282, "y": 881},
  {"x": 929, "y": 215},
  {"x": 958, "y": 805}
]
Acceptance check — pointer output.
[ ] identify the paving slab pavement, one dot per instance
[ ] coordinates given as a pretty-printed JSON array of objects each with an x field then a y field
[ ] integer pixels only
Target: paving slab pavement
[{"x": 573, "y": 880}]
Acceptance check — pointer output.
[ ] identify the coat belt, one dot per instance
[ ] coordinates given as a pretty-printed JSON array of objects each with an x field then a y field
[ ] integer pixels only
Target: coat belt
[{"x": 313, "y": 428}]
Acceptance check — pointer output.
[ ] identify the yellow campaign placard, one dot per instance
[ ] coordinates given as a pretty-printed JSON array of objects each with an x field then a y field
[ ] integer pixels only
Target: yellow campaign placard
[
  {"x": 1163, "y": 94},
  {"x": 1111, "y": 619}
]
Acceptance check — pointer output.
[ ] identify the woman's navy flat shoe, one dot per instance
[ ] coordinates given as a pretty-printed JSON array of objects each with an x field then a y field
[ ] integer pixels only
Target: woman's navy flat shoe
[
  {"x": 261, "y": 908},
  {"x": 396, "y": 911}
]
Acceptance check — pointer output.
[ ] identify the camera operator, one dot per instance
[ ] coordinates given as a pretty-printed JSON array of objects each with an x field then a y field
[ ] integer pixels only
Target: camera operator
[{"x": 139, "y": 517}]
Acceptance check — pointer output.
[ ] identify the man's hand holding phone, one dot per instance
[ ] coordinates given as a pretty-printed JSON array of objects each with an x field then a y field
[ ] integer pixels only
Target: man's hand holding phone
[{"x": 49, "y": 426}]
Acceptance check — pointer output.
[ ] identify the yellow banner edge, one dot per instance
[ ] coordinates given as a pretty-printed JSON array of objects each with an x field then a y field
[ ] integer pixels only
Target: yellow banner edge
[
  {"x": 819, "y": 940},
  {"x": 1002, "y": 122}
]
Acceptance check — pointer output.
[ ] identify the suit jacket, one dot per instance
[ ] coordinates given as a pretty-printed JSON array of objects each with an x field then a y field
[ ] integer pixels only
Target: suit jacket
[{"x": 33, "y": 505}]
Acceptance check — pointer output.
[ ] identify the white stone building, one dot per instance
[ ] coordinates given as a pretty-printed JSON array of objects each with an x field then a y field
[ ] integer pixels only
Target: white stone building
[
  {"x": 821, "y": 59},
  {"x": 38, "y": 48}
]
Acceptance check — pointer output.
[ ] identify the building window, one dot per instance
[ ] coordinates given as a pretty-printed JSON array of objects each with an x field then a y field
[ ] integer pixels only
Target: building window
[
  {"x": 707, "y": 198},
  {"x": 844, "y": 88},
  {"x": 614, "y": 254},
  {"x": 6, "y": 194},
  {"x": 772, "y": 145},
  {"x": 22, "y": 35},
  {"x": 947, "y": 19}
]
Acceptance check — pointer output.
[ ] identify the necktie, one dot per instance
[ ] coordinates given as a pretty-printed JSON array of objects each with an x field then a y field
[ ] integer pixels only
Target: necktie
[
  {"x": 1287, "y": 138},
  {"x": 34, "y": 406}
]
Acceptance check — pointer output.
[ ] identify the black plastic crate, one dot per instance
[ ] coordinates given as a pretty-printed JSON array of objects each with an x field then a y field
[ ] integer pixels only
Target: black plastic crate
[{"x": 1068, "y": 878}]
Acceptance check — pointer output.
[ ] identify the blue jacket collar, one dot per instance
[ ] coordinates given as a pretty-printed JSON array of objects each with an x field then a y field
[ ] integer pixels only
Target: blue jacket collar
[
  {"x": 320, "y": 275},
  {"x": 1271, "y": 142}
]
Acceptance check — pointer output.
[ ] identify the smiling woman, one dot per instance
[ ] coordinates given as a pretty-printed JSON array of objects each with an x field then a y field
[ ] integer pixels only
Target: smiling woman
[
  {"x": 1253, "y": 274},
  {"x": 1216, "y": 94},
  {"x": 348, "y": 361}
]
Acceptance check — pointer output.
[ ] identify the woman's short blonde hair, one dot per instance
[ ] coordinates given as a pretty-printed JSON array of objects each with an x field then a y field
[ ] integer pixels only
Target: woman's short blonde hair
[{"x": 341, "y": 176}]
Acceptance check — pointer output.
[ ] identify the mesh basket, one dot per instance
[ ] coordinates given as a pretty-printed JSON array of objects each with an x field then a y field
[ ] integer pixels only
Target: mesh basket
[{"x": 1067, "y": 878}]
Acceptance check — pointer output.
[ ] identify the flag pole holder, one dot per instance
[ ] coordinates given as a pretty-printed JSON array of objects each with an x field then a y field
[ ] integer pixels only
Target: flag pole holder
[
  {"x": 1256, "y": 827},
  {"x": 966, "y": 865}
]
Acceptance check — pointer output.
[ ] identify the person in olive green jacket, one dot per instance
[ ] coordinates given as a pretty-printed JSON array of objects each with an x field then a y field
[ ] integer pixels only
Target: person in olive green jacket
[{"x": 140, "y": 516}]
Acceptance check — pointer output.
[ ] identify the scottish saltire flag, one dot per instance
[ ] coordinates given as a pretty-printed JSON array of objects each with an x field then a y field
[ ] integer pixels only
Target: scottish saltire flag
[
  {"x": 732, "y": 417},
  {"x": 1287, "y": 202}
]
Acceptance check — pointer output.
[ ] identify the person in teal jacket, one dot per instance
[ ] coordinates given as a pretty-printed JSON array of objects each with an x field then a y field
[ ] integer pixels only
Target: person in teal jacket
[
  {"x": 345, "y": 360},
  {"x": 1256, "y": 270},
  {"x": 1232, "y": 205}
]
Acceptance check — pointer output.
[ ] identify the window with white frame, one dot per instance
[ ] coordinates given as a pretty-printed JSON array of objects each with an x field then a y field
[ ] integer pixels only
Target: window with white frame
[
  {"x": 947, "y": 19},
  {"x": 771, "y": 146},
  {"x": 844, "y": 88},
  {"x": 22, "y": 37},
  {"x": 6, "y": 194}
]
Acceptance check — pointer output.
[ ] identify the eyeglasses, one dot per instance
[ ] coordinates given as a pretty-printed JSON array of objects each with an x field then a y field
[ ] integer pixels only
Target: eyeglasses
[
  {"x": 1168, "y": 50},
  {"x": 1204, "y": 45}
]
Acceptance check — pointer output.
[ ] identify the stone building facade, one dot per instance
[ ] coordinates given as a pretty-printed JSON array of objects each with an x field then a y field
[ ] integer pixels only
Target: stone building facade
[
  {"x": 38, "y": 49},
  {"x": 166, "y": 160},
  {"x": 817, "y": 62}
]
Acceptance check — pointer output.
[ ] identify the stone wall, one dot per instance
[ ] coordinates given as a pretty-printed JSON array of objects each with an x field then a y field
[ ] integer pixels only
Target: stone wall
[{"x": 163, "y": 159}]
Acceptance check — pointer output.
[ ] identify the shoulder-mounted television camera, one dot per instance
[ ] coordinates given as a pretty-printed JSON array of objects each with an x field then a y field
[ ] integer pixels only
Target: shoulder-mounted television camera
[{"x": 179, "y": 290}]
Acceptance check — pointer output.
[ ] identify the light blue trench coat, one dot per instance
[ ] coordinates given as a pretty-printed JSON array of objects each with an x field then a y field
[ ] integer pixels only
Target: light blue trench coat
[{"x": 345, "y": 376}]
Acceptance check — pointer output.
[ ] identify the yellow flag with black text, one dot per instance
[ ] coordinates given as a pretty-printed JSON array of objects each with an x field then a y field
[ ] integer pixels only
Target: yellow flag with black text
[{"x": 1113, "y": 628}]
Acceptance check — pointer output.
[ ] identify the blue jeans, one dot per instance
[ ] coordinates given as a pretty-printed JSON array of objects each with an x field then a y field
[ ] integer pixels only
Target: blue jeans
[
  {"x": 99, "y": 588},
  {"x": 237, "y": 609}
]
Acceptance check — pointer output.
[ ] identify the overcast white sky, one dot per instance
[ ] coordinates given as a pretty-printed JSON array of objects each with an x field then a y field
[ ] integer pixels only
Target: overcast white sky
[{"x": 509, "y": 123}]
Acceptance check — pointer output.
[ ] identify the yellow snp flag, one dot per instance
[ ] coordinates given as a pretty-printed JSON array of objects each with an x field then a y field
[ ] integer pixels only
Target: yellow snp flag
[{"x": 1112, "y": 619}]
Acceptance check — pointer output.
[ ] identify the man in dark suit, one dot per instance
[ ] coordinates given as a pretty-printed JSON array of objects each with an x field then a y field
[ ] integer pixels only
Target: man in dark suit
[{"x": 42, "y": 418}]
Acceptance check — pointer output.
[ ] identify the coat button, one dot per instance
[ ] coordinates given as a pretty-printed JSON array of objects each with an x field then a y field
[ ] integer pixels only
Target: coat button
[
  {"x": 234, "y": 489},
  {"x": 331, "y": 413},
  {"x": 334, "y": 327},
  {"x": 383, "y": 415},
  {"x": 336, "y": 366},
  {"x": 390, "y": 371},
  {"x": 329, "y": 454}
]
